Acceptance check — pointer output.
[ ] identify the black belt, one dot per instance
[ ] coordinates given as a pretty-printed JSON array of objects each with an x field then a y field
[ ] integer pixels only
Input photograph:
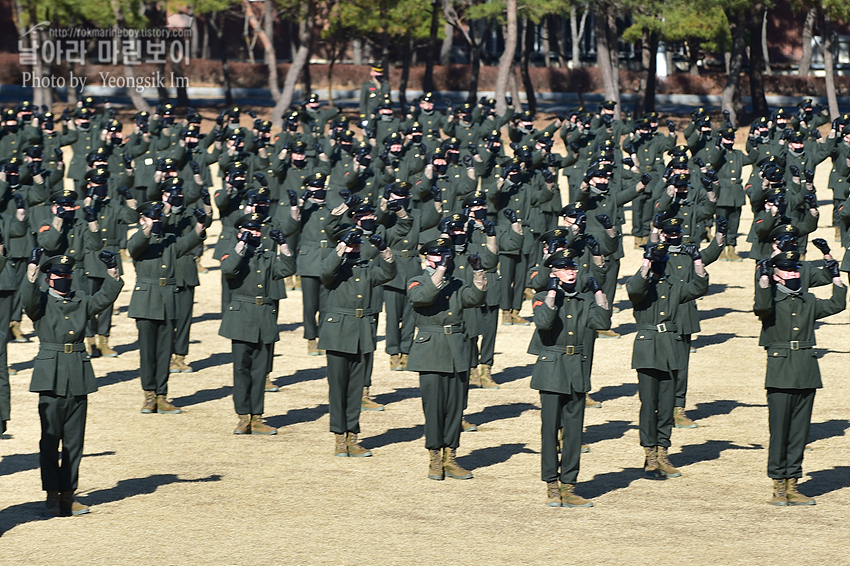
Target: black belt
[
  {"x": 319, "y": 244},
  {"x": 663, "y": 327},
  {"x": 359, "y": 313},
  {"x": 405, "y": 253},
  {"x": 793, "y": 345},
  {"x": 252, "y": 300},
  {"x": 569, "y": 350},
  {"x": 65, "y": 348},
  {"x": 446, "y": 329},
  {"x": 162, "y": 281}
]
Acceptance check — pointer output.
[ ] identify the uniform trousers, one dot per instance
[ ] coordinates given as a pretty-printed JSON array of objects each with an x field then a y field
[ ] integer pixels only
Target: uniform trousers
[
  {"x": 250, "y": 366},
  {"x": 680, "y": 378},
  {"x": 442, "y": 402},
  {"x": 99, "y": 324},
  {"x": 63, "y": 418},
  {"x": 488, "y": 324},
  {"x": 184, "y": 298},
  {"x": 789, "y": 418},
  {"x": 400, "y": 327},
  {"x": 314, "y": 296},
  {"x": 19, "y": 267},
  {"x": 513, "y": 269},
  {"x": 733, "y": 215},
  {"x": 657, "y": 397},
  {"x": 560, "y": 411},
  {"x": 5, "y": 388},
  {"x": 609, "y": 286},
  {"x": 346, "y": 379},
  {"x": 156, "y": 339},
  {"x": 643, "y": 209}
]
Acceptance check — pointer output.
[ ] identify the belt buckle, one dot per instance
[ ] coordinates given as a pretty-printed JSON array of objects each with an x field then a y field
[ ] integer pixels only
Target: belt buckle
[
  {"x": 68, "y": 348},
  {"x": 258, "y": 300},
  {"x": 323, "y": 243},
  {"x": 405, "y": 253},
  {"x": 447, "y": 329},
  {"x": 163, "y": 281},
  {"x": 358, "y": 313},
  {"x": 661, "y": 327},
  {"x": 571, "y": 350},
  {"x": 795, "y": 344}
]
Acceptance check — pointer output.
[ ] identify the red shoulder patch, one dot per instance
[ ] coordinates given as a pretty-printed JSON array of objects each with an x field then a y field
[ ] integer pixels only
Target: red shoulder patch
[
  {"x": 536, "y": 304},
  {"x": 44, "y": 228},
  {"x": 412, "y": 285},
  {"x": 534, "y": 274},
  {"x": 225, "y": 256}
]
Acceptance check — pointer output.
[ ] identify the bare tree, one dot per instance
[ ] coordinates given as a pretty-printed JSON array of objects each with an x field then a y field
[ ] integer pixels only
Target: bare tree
[
  {"x": 808, "y": 26},
  {"x": 506, "y": 61}
]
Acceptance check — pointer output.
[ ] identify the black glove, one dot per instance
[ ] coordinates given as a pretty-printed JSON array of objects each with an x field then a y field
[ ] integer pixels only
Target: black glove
[
  {"x": 19, "y": 200},
  {"x": 649, "y": 252},
  {"x": 109, "y": 259},
  {"x": 353, "y": 200},
  {"x": 821, "y": 244},
  {"x": 764, "y": 268},
  {"x": 243, "y": 237},
  {"x": 630, "y": 148},
  {"x": 35, "y": 168},
  {"x": 320, "y": 149},
  {"x": 394, "y": 205},
  {"x": 605, "y": 221},
  {"x": 377, "y": 241},
  {"x": 646, "y": 179},
  {"x": 509, "y": 100},
  {"x": 124, "y": 191},
  {"x": 554, "y": 284},
  {"x": 436, "y": 193},
  {"x": 287, "y": 145},
  {"x": 474, "y": 261},
  {"x": 628, "y": 161},
  {"x": 795, "y": 171},
  {"x": 352, "y": 237},
  {"x": 218, "y": 135},
  {"x": 816, "y": 134},
  {"x": 706, "y": 183},
  {"x": 220, "y": 119},
  {"x": 548, "y": 176},
  {"x": 593, "y": 245},
  {"x": 472, "y": 149},
  {"x": 277, "y": 237},
  {"x": 293, "y": 197},
  {"x": 57, "y": 152},
  {"x": 699, "y": 162},
  {"x": 722, "y": 225},
  {"x": 811, "y": 200},
  {"x": 252, "y": 114},
  {"x": 832, "y": 267},
  {"x": 89, "y": 214},
  {"x": 261, "y": 179},
  {"x": 510, "y": 214},
  {"x": 306, "y": 194},
  {"x": 786, "y": 133},
  {"x": 718, "y": 142},
  {"x": 711, "y": 174},
  {"x": 727, "y": 115},
  {"x": 489, "y": 228},
  {"x": 692, "y": 250},
  {"x": 205, "y": 196},
  {"x": 671, "y": 125},
  {"x": 658, "y": 219},
  {"x": 66, "y": 114},
  {"x": 575, "y": 147},
  {"x": 467, "y": 161},
  {"x": 195, "y": 167},
  {"x": 200, "y": 215},
  {"x": 810, "y": 175},
  {"x": 592, "y": 285},
  {"x": 35, "y": 255}
]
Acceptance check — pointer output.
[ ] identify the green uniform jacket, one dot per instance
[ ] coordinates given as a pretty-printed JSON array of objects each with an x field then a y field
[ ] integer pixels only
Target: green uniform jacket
[
  {"x": 74, "y": 239},
  {"x": 20, "y": 246},
  {"x": 314, "y": 243},
  {"x": 840, "y": 153},
  {"x": 562, "y": 366},
  {"x": 441, "y": 344},
  {"x": 62, "y": 365},
  {"x": 252, "y": 315},
  {"x": 112, "y": 216},
  {"x": 693, "y": 212},
  {"x": 608, "y": 203},
  {"x": 155, "y": 259},
  {"x": 348, "y": 316},
  {"x": 371, "y": 95},
  {"x": 788, "y": 334},
  {"x": 405, "y": 245},
  {"x": 658, "y": 343},
  {"x": 180, "y": 224},
  {"x": 730, "y": 170},
  {"x": 682, "y": 266}
]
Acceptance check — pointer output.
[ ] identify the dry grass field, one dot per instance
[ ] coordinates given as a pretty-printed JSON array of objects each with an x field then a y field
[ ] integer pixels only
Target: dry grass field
[{"x": 182, "y": 490}]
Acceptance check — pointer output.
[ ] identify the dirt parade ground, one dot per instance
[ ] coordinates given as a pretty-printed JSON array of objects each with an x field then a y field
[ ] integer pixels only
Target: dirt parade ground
[{"x": 182, "y": 489}]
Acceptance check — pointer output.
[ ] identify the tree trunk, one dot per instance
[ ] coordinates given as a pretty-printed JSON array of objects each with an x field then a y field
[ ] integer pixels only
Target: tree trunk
[
  {"x": 139, "y": 103},
  {"x": 829, "y": 67},
  {"x": 506, "y": 61},
  {"x": 513, "y": 86},
  {"x": 266, "y": 39},
  {"x": 193, "y": 26},
  {"x": 205, "y": 44},
  {"x": 182, "y": 91},
  {"x": 764, "y": 44},
  {"x": 576, "y": 34},
  {"x": 331, "y": 64},
  {"x": 298, "y": 61},
  {"x": 528, "y": 47},
  {"x": 806, "y": 59},
  {"x": 357, "y": 51},
  {"x": 731, "y": 92},
  {"x": 72, "y": 92},
  {"x": 756, "y": 20},
  {"x": 604, "y": 57},
  {"x": 428, "y": 79},
  {"x": 475, "y": 54},
  {"x": 645, "y": 101},
  {"x": 405, "y": 72},
  {"x": 446, "y": 47},
  {"x": 693, "y": 58},
  {"x": 544, "y": 37}
]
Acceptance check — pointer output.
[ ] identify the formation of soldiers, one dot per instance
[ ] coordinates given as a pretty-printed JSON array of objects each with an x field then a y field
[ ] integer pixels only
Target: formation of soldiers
[{"x": 438, "y": 221}]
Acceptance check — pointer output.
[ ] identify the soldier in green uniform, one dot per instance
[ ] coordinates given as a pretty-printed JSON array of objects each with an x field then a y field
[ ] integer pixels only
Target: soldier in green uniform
[
  {"x": 658, "y": 350},
  {"x": 562, "y": 314},
  {"x": 250, "y": 321},
  {"x": 62, "y": 374},
  {"x": 347, "y": 334},
  {"x": 788, "y": 316},
  {"x": 155, "y": 252},
  {"x": 373, "y": 92},
  {"x": 441, "y": 350},
  {"x": 8, "y": 287}
]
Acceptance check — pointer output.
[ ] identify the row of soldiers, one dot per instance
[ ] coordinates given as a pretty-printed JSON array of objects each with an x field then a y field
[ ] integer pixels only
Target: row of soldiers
[{"x": 326, "y": 206}]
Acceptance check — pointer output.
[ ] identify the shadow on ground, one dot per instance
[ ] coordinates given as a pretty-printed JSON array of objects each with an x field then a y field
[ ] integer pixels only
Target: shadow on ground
[
  {"x": 490, "y": 456},
  {"x": 500, "y": 412}
]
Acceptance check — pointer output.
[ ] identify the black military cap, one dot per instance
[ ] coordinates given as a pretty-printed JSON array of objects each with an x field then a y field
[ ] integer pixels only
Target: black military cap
[
  {"x": 385, "y": 104},
  {"x": 150, "y": 209},
  {"x": 451, "y": 143},
  {"x": 173, "y": 185},
  {"x": 378, "y": 68},
  {"x": 679, "y": 151},
  {"x": 47, "y": 117},
  {"x": 642, "y": 125},
  {"x": 84, "y": 113},
  {"x": 680, "y": 181},
  {"x": 99, "y": 154},
  {"x": 341, "y": 231},
  {"x": 775, "y": 195},
  {"x": 345, "y": 136},
  {"x": 254, "y": 196},
  {"x": 58, "y": 264},
  {"x": 609, "y": 104},
  {"x": 728, "y": 133},
  {"x": 601, "y": 170},
  {"x": 251, "y": 221},
  {"x": 671, "y": 225},
  {"x": 113, "y": 126},
  {"x": 437, "y": 246},
  {"x": 796, "y": 137},
  {"x": 168, "y": 164},
  {"x": 574, "y": 210},
  {"x": 562, "y": 259},
  {"x": 678, "y": 162},
  {"x": 414, "y": 128},
  {"x": 494, "y": 135},
  {"x": 313, "y": 98},
  {"x": 512, "y": 166},
  {"x": 400, "y": 188},
  {"x": 98, "y": 175},
  {"x": 544, "y": 137},
  {"x": 526, "y": 116},
  {"x": 9, "y": 114},
  {"x": 786, "y": 261},
  {"x": 659, "y": 251},
  {"x": 237, "y": 168},
  {"x": 606, "y": 146},
  {"x": 455, "y": 221},
  {"x": 299, "y": 147},
  {"x": 316, "y": 180},
  {"x": 166, "y": 109},
  {"x": 784, "y": 231},
  {"x": 651, "y": 116},
  {"x": 805, "y": 103},
  {"x": 88, "y": 102},
  {"x": 264, "y": 126},
  {"x": 363, "y": 209},
  {"x": 780, "y": 113},
  {"x": 555, "y": 235},
  {"x": 193, "y": 117},
  {"x": 142, "y": 116},
  {"x": 235, "y": 111},
  {"x": 478, "y": 198},
  {"x": 427, "y": 97},
  {"x": 393, "y": 138},
  {"x": 64, "y": 196},
  {"x": 25, "y": 106}
]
